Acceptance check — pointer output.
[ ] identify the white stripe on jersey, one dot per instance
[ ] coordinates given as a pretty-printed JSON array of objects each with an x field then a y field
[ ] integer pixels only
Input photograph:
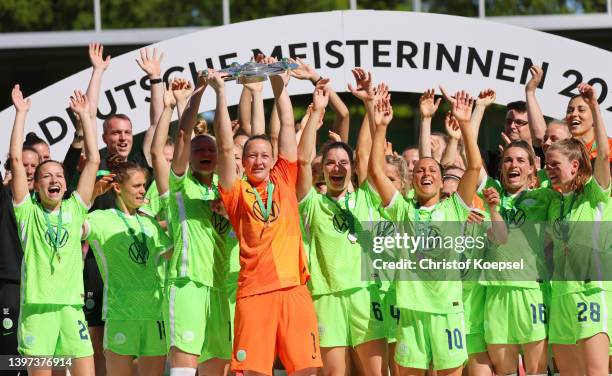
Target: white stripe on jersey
[
  {"x": 171, "y": 299},
  {"x": 100, "y": 255},
  {"x": 184, "y": 234}
]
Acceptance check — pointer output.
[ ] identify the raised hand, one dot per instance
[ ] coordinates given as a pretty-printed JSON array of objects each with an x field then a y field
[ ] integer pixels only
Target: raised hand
[
  {"x": 103, "y": 185},
  {"x": 169, "y": 98},
  {"x": 475, "y": 217},
  {"x": 79, "y": 103},
  {"x": 320, "y": 97},
  {"x": 255, "y": 86},
  {"x": 450, "y": 100},
  {"x": 536, "y": 77},
  {"x": 452, "y": 126},
  {"x": 506, "y": 141},
  {"x": 462, "y": 108},
  {"x": 486, "y": 98},
  {"x": 383, "y": 113},
  {"x": 381, "y": 92},
  {"x": 21, "y": 105},
  {"x": 215, "y": 80},
  {"x": 364, "y": 89},
  {"x": 303, "y": 71},
  {"x": 335, "y": 137},
  {"x": 588, "y": 94},
  {"x": 306, "y": 116},
  {"x": 151, "y": 64},
  {"x": 428, "y": 105},
  {"x": 491, "y": 197},
  {"x": 96, "y": 58},
  {"x": 181, "y": 90}
]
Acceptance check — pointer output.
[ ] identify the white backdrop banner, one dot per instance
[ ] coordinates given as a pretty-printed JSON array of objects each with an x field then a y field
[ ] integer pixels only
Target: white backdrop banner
[{"x": 409, "y": 51}]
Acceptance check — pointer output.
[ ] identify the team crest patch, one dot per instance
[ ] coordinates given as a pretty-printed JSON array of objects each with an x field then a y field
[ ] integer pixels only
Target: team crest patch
[
  {"x": 241, "y": 355},
  {"x": 7, "y": 323}
]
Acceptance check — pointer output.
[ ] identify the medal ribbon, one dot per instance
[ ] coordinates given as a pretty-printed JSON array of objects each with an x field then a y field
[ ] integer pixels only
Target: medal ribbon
[
  {"x": 142, "y": 245},
  {"x": 346, "y": 211},
  {"x": 55, "y": 241},
  {"x": 265, "y": 211}
]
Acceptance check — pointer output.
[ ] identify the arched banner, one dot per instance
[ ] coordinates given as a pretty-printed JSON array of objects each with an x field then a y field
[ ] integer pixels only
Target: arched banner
[{"x": 409, "y": 51}]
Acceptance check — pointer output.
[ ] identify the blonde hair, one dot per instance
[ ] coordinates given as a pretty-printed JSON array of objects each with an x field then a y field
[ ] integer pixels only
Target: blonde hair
[{"x": 574, "y": 149}]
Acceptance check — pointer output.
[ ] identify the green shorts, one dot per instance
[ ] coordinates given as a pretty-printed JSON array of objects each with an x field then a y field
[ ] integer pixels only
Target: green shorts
[
  {"x": 515, "y": 315},
  {"x": 391, "y": 314},
  {"x": 473, "y": 307},
  {"x": 578, "y": 316},
  {"x": 425, "y": 338},
  {"x": 475, "y": 343},
  {"x": 197, "y": 320},
  {"x": 53, "y": 330},
  {"x": 350, "y": 318},
  {"x": 135, "y": 337}
]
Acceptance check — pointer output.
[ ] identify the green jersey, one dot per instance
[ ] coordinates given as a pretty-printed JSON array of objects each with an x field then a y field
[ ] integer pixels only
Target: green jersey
[
  {"x": 576, "y": 229},
  {"x": 199, "y": 233},
  {"x": 52, "y": 266},
  {"x": 234, "y": 259},
  {"x": 156, "y": 206},
  {"x": 339, "y": 235},
  {"x": 543, "y": 179},
  {"x": 431, "y": 291},
  {"x": 128, "y": 250},
  {"x": 525, "y": 214}
]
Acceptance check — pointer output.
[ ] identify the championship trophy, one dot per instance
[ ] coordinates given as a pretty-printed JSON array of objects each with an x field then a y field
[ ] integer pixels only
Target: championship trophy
[{"x": 256, "y": 72}]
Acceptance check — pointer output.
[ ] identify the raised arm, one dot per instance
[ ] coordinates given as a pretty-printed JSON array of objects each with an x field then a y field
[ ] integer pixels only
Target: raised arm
[
  {"x": 161, "y": 167},
  {"x": 498, "y": 232},
  {"x": 454, "y": 135},
  {"x": 151, "y": 64},
  {"x": 384, "y": 186},
  {"x": 320, "y": 99},
  {"x": 287, "y": 146},
  {"x": 257, "y": 118},
  {"x": 19, "y": 181},
  {"x": 484, "y": 100},
  {"x": 244, "y": 110},
  {"x": 462, "y": 111},
  {"x": 537, "y": 124},
  {"x": 601, "y": 169},
  {"x": 364, "y": 91},
  {"x": 87, "y": 180},
  {"x": 182, "y": 144},
  {"x": 223, "y": 130},
  {"x": 182, "y": 90},
  {"x": 428, "y": 106},
  {"x": 99, "y": 65}
]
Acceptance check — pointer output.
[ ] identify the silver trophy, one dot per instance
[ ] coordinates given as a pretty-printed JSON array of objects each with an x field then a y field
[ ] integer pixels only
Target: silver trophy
[{"x": 256, "y": 72}]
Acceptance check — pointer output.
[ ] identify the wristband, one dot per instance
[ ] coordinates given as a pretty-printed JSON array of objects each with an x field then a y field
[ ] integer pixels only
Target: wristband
[
  {"x": 154, "y": 81},
  {"x": 314, "y": 83}
]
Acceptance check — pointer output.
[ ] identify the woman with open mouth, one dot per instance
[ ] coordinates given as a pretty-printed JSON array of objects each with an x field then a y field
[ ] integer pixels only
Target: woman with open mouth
[
  {"x": 128, "y": 247},
  {"x": 338, "y": 229},
  {"x": 52, "y": 321},
  {"x": 431, "y": 329},
  {"x": 517, "y": 303},
  {"x": 579, "y": 318}
]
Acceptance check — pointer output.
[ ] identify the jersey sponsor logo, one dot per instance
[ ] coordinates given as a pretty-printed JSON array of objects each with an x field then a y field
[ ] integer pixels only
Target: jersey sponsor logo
[
  {"x": 220, "y": 224},
  {"x": 62, "y": 238},
  {"x": 138, "y": 254},
  {"x": 341, "y": 222},
  {"x": 384, "y": 228},
  {"x": 120, "y": 338},
  {"x": 514, "y": 218}
]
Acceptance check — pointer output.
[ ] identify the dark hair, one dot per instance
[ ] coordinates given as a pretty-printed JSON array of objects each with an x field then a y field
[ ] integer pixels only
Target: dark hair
[
  {"x": 519, "y": 106},
  {"x": 433, "y": 159},
  {"x": 110, "y": 118},
  {"x": 338, "y": 145},
  {"x": 32, "y": 139},
  {"x": 240, "y": 132},
  {"x": 169, "y": 142},
  {"x": 263, "y": 137},
  {"x": 574, "y": 149},
  {"x": 123, "y": 171},
  {"x": 37, "y": 171}
]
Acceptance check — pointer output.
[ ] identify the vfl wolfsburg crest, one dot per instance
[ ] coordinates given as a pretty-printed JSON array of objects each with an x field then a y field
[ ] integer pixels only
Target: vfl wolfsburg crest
[
  {"x": 54, "y": 239},
  {"x": 139, "y": 253}
]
